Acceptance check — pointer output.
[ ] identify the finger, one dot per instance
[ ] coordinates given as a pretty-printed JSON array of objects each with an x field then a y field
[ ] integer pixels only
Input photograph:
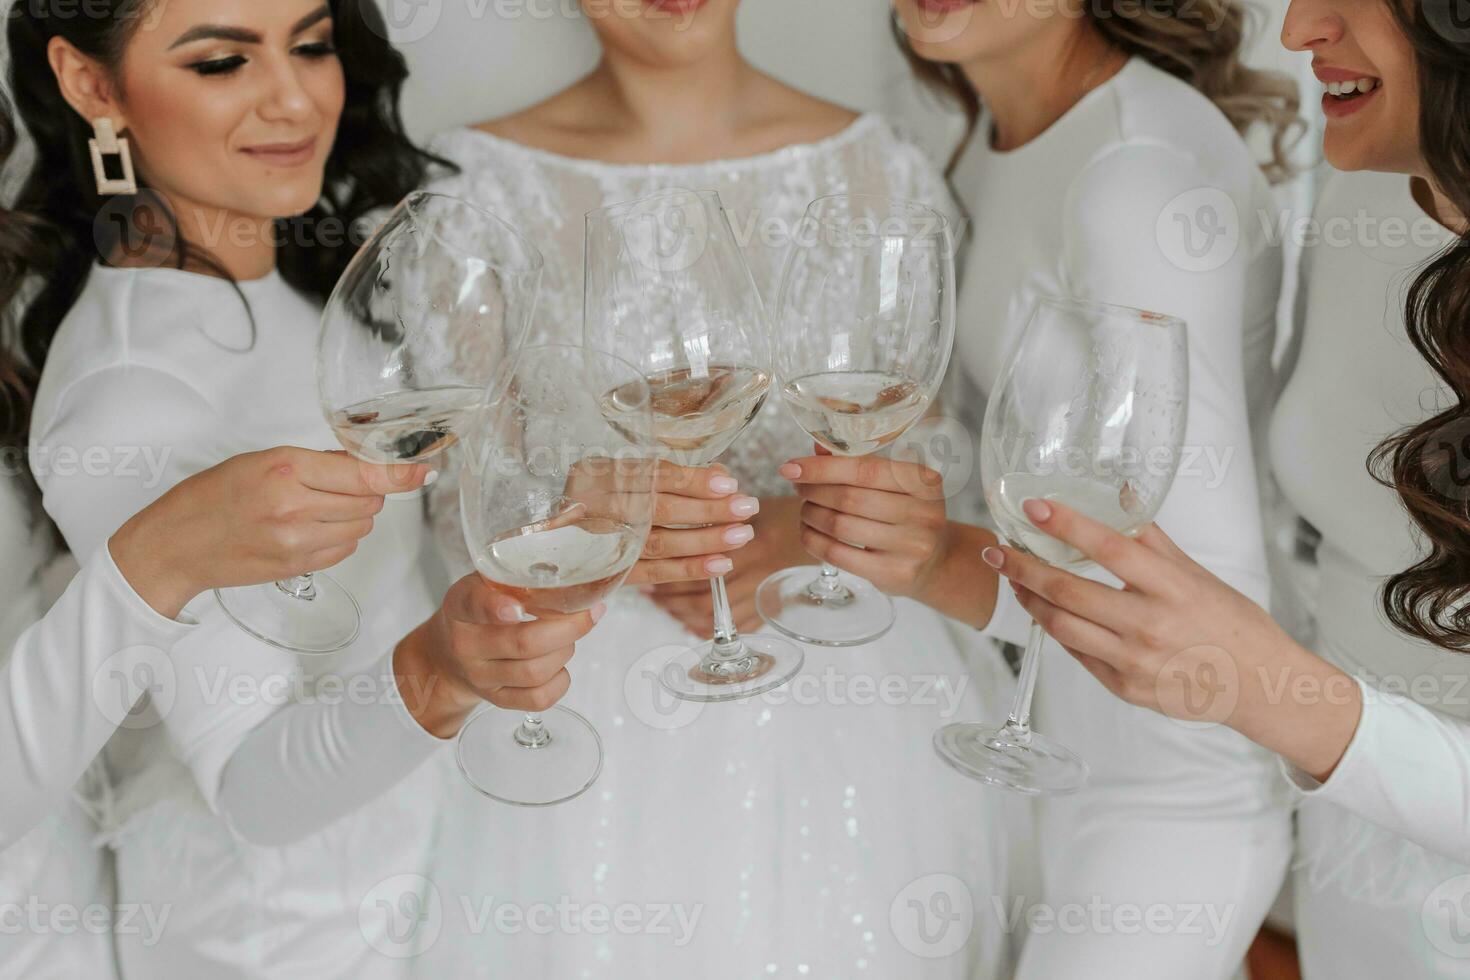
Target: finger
[
  {"x": 480, "y": 602},
  {"x": 872, "y": 566},
  {"x": 532, "y": 672},
  {"x": 687, "y": 587},
  {"x": 698, "y": 568},
  {"x": 337, "y": 472},
  {"x": 553, "y": 632},
  {"x": 875, "y": 505},
  {"x": 1154, "y": 537},
  {"x": 676, "y": 543},
  {"x": 672, "y": 509},
  {"x": 326, "y": 558},
  {"x": 535, "y": 699},
  {"x": 702, "y": 482},
  {"x": 873, "y": 535},
  {"x": 335, "y": 507},
  {"x": 1070, "y": 630},
  {"x": 872, "y": 472},
  {"x": 1106, "y": 675},
  {"x": 1110, "y": 608},
  {"x": 318, "y": 536},
  {"x": 1135, "y": 564}
]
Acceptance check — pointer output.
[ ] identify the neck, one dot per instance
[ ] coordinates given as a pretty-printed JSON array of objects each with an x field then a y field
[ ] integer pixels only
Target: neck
[
  {"x": 243, "y": 246},
  {"x": 1028, "y": 89},
  {"x": 675, "y": 111},
  {"x": 1438, "y": 204}
]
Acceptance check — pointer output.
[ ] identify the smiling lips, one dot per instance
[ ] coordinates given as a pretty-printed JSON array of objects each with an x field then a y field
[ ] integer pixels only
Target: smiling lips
[
  {"x": 1346, "y": 92},
  {"x": 283, "y": 154}
]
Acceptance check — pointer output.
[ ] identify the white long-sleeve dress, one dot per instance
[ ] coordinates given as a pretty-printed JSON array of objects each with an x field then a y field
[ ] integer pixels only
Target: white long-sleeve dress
[
  {"x": 1382, "y": 881},
  {"x": 808, "y": 832},
  {"x": 269, "y": 819},
  {"x": 1143, "y": 195}
]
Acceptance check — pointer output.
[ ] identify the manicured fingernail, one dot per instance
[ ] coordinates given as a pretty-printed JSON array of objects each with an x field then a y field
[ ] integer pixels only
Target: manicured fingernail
[
  {"x": 723, "y": 484},
  {"x": 740, "y": 535},
  {"x": 789, "y": 470},
  {"x": 512, "y": 613},
  {"x": 719, "y": 566},
  {"x": 1037, "y": 510},
  {"x": 432, "y": 478},
  {"x": 745, "y": 506},
  {"x": 598, "y": 611},
  {"x": 994, "y": 557}
]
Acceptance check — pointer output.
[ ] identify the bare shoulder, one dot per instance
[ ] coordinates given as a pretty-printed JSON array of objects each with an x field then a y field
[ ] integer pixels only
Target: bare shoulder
[
  {"x": 558, "y": 123},
  {"x": 793, "y": 116}
]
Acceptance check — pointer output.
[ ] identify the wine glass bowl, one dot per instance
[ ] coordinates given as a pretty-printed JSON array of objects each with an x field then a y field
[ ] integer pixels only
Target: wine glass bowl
[
  {"x": 557, "y": 503},
  {"x": 1089, "y": 411},
  {"x": 667, "y": 289},
  {"x": 426, "y": 311},
  {"x": 863, "y": 332}
]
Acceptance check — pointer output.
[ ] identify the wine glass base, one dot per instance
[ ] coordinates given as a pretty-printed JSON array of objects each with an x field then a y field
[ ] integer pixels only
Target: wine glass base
[
  {"x": 322, "y": 624},
  {"x": 1031, "y": 763},
  {"x": 697, "y": 675},
  {"x": 499, "y": 766},
  {"x": 860, "y": 614}
]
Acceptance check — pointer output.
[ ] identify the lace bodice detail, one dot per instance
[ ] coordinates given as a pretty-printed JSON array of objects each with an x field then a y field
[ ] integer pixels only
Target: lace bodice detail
[{"x": 546, "y": 195}]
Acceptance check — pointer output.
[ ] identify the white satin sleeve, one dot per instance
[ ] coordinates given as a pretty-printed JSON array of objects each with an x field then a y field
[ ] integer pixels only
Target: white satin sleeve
[
  {"x": 73, "y": 664},
  {"x": 1183, "y": 833},
  {"x": 1407, "y": 769},
  {"x": 274, "y": 767}
]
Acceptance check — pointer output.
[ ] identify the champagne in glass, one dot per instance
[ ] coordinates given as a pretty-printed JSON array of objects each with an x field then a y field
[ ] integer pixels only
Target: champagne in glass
[
  {"x": 426, "y": 312},
  {"x": 668, "y": 290},
  {"x": 557, "y": 502},
  {"x": 1088, "y": 412},
  {"x": 864, "y": 328}
]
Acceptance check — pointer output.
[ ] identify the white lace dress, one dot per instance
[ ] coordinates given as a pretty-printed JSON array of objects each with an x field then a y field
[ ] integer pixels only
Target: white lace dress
[{"x": 808, "y": 832}]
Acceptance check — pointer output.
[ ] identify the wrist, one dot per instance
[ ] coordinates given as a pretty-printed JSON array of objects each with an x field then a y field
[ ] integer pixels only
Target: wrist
[
  {"x": 438, "y": 704},
  {"x": 1304, "y": 709},
  {"x": 141, "y": 553}
]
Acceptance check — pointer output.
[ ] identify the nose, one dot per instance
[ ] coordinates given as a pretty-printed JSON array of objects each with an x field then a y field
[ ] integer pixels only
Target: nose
[
  {"x": 1311, "y": 24},
  {"x": 285, "y": 98}
]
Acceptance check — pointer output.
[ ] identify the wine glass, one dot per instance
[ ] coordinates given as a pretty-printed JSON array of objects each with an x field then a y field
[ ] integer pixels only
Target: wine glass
[
  {"x": 1089, "y": 411},
  {"x": 864, "y": 329},
  {"x": 557, "y": 501},
  {"x": 427, "y": 310},
  {"x": 667, "y": 288}
]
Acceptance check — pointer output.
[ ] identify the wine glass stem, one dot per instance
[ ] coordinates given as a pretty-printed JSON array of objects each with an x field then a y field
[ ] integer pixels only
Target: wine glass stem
[
  {"x": 531, "y": 733},
  {"x": 727, "y": 645},
  {"x": 828, "y": 582},
  {"x": 300, "y": 587},
  {"x": 1019, "y": 722}
]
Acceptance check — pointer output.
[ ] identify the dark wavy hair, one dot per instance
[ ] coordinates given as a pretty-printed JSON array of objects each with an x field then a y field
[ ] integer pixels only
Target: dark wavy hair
[
  {"x": 49, "y": 237},
  {"x": 1423, "y": 463},
  {"x": 1198, "y": 41}
]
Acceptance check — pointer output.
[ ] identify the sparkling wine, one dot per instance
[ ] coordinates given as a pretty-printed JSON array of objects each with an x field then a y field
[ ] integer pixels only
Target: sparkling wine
[
  {"x": 406, "y": 426},
  {"x": 695, "y": 416},
  {"x": 556, "y": 567},
  {"x": 1117, "y": 507},
  {"x": 854, "y": 413}
]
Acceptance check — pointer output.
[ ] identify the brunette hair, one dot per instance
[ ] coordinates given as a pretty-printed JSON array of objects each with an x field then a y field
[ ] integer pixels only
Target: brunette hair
[
  {"x": 1423, "y": 462},
  {"x": 1198, "y": 41}
]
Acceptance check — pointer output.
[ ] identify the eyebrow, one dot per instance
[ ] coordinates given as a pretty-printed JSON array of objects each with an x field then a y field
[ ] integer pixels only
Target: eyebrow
[{"x": 217, "y": 32}]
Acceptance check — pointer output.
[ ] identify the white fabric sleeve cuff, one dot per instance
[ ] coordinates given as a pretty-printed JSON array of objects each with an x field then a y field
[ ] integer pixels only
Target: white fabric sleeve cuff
[
  {"x": 142, "y": 615},
  {"x": 1352, "y": 756},
  {"x": 1010, "y": 622}
]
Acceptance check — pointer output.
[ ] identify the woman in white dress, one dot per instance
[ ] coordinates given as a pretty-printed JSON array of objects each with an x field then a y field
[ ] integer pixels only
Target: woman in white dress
[
  {"x": 267, "y": 812},
  {"x": 809, "y": 831},
  {"x": 1371, "y": 724},
  {"x": 1088, "y": 135}
]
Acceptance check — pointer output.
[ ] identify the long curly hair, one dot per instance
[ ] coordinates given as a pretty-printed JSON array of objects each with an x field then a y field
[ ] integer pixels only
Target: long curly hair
[
  {"x": 1198, "y": 41},
  {"x": 1424, "y": 462},
  {"x": 49, "y": 233}
]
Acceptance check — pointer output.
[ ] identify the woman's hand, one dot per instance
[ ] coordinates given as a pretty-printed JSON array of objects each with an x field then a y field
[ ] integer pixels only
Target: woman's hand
[
  {"x": 1179, "y": 641},
  {"x": 777, "y": 545},
  {"x": 479, "y": 647},
  {"x": 254, "y": 518},
  {"x": 680, "y": 548},
  {"x": 876, "y": 518}
]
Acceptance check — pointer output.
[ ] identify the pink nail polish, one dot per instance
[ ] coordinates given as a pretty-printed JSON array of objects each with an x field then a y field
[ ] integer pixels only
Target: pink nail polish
[
  {"x": 740, "y": 535},
  {"x": 723, "y": 484},
  {"x": 789, "y": 470},
  {"x": 1037, "y": 510},
  {"x": 719, "y": 566},
  {"x": 994, "y": 557},
  {"x": 745, "y": 506},
  {"x": 512, "y": 614},
  {"x": 598, "y": 611}
]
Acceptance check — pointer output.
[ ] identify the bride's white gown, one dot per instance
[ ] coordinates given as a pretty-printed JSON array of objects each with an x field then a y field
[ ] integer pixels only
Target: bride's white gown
[{"x": 810, "y": 832}]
